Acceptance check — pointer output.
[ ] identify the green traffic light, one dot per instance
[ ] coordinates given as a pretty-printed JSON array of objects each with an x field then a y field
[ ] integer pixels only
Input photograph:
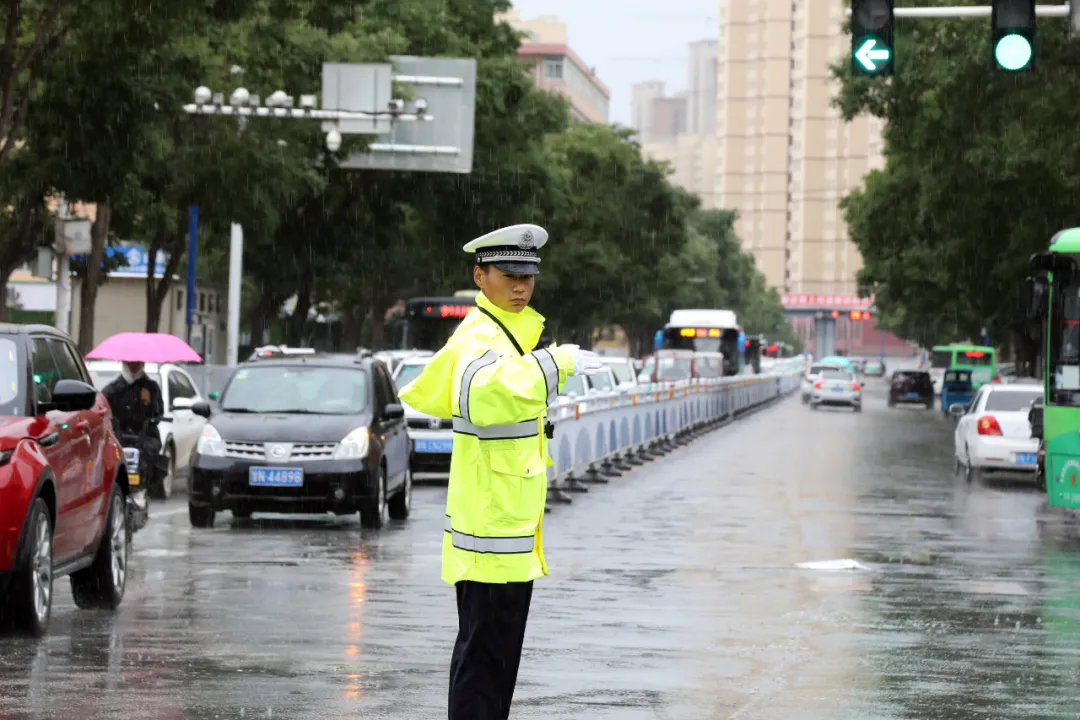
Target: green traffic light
[{"x": 1013, "y": 52}]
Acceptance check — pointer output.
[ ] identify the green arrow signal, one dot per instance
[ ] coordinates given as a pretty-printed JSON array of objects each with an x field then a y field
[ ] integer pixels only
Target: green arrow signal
[
  {"x": 1013, "y": 52},
  {"x": 867, "y": 55}
]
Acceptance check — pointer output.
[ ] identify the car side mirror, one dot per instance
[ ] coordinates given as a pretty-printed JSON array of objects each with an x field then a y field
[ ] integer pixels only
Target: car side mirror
[
  {"x": 393, "y": 411},
  {"x": 957, "y": 410},
  {"x": 201, "y": 408},
  {"x": 183, "y": 403},
  {"x": 214, "y": 394},
  {"x": 71, "y": 396},
  {"x": 1036, "y": 298}
]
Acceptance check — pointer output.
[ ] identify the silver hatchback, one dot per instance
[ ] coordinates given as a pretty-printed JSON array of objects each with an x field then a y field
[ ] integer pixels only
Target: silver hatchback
[{"x": 836, "y": 386}]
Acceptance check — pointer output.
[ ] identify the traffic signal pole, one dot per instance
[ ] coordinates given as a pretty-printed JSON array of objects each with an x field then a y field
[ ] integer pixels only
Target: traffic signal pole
[{"x": 963, "y": 11}]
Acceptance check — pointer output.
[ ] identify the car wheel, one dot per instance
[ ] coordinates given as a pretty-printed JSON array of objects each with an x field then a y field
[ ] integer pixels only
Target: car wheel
[
  {"x": 805, "y": 399},
  {"x": 401, "y": 503},
  {"x": 162, "y": 487},
  {"x": 201, "y": 516},
  {"x": 373, "y": 512},
  {"x": 29, "y": 600},
  {"x": 241, "y": 513},
  {"x": 102, "y": 584},
  {"x": 858, "y": 408},
  {"x": 813, "y": 406}
]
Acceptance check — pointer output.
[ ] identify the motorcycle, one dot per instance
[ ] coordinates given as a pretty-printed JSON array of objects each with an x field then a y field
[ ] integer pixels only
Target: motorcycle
[{"x": 145, "y": 466}]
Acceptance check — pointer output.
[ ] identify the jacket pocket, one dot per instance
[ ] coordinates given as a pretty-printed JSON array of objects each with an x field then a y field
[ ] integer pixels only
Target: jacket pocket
[{"x": 518, "y": 484}]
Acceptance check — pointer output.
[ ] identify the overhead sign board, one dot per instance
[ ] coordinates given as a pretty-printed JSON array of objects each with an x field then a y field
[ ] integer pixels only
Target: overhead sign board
[
  {"x": 357, "y": 87},
  {"x": 445, "y": 144},
  {"x": 795, "y": 300}
]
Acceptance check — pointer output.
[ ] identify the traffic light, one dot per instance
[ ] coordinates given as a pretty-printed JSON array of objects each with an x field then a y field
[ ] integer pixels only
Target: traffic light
[
  {"x": 1013, "y": 34},
  {"x": 871, "y": 37}
]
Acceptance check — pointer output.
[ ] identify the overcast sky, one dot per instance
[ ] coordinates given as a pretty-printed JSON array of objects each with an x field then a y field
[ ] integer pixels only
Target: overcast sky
[{"x": 630, "y": 41}]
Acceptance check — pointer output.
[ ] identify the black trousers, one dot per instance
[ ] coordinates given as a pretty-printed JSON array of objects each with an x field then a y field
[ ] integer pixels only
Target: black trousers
[{"x": 491, "y": 630}]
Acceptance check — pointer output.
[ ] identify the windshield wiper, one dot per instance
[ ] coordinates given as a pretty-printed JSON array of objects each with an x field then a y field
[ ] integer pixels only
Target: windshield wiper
[
  {"x": 238, "y": 410},
  {"x": 295, "y": 411}
]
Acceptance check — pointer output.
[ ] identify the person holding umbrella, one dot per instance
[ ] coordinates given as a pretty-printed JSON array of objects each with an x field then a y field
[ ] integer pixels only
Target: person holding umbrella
[{"x": 135, "y": 399}]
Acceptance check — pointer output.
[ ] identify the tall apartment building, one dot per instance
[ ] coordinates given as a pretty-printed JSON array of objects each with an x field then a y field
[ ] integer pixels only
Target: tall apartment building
[
  {"x": 786, "y": 157},
  {"x": 557, "y": 68}
]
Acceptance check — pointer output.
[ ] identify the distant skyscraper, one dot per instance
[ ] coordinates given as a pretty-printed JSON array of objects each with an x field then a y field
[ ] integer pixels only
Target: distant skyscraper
[
  {"x": 701, "y": 88},
  {"x": 641, "y": 99}
]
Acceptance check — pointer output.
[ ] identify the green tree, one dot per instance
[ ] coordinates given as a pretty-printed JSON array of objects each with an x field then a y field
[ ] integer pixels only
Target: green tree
[{"x": 978, "y": 175}]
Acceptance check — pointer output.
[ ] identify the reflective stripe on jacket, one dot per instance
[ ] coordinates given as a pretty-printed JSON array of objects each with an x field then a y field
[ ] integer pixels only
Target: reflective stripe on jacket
[{"x": 498, "y": 470}]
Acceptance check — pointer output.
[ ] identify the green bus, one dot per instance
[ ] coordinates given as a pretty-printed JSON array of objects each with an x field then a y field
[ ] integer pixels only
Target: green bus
[
  {"x": 981, "y": 360},
  {"x": 1053, "y": 301}
]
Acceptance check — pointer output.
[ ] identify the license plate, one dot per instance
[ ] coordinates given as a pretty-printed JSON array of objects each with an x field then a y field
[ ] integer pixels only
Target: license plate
[
  {"x": 275, "y": 477},
  {"x": 838, "y": 390},
  {"x": 1026, "y": 459},
  {"x": 434, "y": 446},
  {"x": 134, "y": 480},
  {"x": 913, "y": 396}
]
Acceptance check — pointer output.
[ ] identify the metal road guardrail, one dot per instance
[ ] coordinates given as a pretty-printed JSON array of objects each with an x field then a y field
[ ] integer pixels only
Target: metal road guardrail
[{"x": 604, "y": 435}]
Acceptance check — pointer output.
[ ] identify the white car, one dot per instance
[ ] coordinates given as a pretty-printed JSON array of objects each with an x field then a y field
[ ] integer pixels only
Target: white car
[
  {"x": 811, "y": 376},
  {"x": 432, "y": 437},
  {"x": 836, "y": 386},
  {"x": 625, "y": 373},
  {"x": 180, "y": 428},
  {"x": 993, "y": 433}
]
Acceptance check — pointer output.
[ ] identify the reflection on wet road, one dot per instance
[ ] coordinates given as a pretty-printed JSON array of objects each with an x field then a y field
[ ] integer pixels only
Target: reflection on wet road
[{"x": 674, "y": 595}]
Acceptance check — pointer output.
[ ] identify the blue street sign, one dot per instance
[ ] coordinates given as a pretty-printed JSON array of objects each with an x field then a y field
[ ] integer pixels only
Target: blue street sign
[{"x": 137, "y": 258}]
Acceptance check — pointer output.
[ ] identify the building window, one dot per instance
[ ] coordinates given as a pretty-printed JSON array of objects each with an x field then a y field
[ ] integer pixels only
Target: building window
[
  {"x": 553, "y": 68},
  {"x": 179, "y": 299}
]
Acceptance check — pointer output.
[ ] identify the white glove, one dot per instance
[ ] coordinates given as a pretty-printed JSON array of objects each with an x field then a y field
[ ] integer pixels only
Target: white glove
[{"x": 586, "y": 362}]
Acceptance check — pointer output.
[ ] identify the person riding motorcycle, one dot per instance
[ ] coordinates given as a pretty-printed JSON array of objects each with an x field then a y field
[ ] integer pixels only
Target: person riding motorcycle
[{"x": 137, "y": 408}]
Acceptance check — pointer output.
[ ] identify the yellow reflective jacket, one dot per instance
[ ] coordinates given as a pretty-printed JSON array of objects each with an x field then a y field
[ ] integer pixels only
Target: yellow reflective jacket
[{"x": 498, "y": 400}]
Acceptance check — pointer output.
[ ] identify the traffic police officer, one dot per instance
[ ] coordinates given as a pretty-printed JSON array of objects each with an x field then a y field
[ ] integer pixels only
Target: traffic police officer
[{"x": 496, "y": 385}]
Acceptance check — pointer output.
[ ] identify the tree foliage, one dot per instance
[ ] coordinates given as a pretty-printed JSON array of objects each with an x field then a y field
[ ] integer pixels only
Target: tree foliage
[
  {"x": 106, "y": 126},
  {"x": 978, "y": 175}
]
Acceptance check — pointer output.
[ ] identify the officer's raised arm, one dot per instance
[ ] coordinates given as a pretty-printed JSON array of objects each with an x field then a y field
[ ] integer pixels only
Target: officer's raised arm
[{"x": 500, "y": 389}]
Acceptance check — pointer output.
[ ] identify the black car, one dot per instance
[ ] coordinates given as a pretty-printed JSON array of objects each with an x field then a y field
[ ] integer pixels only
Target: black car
[
  {"x": 303, "y": 434},
  {"x": 911, "y": 387}
]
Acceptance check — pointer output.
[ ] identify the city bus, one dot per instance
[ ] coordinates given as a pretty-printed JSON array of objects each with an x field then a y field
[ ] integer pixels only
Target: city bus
[
  {"x": 707, "y": 331},
  {"x": 1053, "y": 295},
  {"x": 428, "y": 322},
  {"x": 981, "y": 360}
]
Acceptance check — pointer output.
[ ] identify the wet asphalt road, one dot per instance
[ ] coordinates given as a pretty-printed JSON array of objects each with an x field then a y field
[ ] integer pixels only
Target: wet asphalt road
[{"x": 674, "y": 595}]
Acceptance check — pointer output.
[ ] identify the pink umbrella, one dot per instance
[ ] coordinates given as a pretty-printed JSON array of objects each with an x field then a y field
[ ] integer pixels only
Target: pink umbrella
[{"x": 144, "y": 347}]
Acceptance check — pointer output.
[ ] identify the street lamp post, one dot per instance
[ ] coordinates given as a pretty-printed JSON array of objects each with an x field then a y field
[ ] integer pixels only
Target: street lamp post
[{"x": 243, "y": 105}]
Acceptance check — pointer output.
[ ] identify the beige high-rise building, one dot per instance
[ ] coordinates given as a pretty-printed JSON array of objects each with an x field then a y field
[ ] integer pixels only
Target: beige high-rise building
[
  {"x": 693, "y": 158},
  {"x": 786, "y": 157}
]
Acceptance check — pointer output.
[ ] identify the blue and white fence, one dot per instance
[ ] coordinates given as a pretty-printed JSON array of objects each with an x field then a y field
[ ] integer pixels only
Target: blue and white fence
[{"x": 605, "y": 434}]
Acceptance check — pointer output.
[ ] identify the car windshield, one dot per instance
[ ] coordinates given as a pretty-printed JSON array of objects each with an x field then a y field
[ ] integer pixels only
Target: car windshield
[
  {"x": 1011, "y": 401},
  {"x": 297, "y": 389},
  {"x": 623, "y": 372},
  {"x": 601, "y": 381},
  {"x": 671, "y": 368},
  {"x": 818, "y": 369},
  {"x": 408, "y": 373},
  {"x": 836, "y": 374},
  {"x": 102, "y": 378},
  {"x": 574, "y": 386}
]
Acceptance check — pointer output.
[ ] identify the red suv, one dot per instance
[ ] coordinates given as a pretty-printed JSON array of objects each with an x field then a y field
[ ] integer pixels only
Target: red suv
[{"x": 63, "y": 484}]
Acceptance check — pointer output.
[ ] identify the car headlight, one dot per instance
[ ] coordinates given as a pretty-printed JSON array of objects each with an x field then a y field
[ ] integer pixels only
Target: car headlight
[
  {"x": 354, "y": 446},
  {"x": 210, "y": 442}
]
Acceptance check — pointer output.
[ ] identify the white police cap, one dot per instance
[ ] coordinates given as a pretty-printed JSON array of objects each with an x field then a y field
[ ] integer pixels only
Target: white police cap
[{"x": 511, "y": 249}]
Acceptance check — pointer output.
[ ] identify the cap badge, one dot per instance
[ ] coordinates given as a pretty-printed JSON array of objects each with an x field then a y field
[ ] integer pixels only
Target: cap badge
[{"x": 526, "y": 241}]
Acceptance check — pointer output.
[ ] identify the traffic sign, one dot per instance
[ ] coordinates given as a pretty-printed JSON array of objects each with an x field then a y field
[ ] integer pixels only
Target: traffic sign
[{"x": 869, "y": 54}]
